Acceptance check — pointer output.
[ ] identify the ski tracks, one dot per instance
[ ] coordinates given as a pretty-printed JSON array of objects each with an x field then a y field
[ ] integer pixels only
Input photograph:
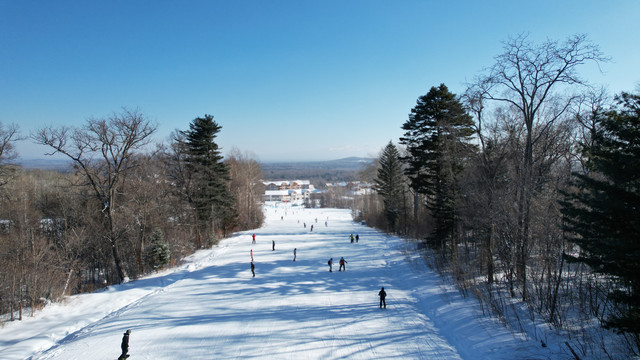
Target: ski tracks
[{"x": 164, "y": 283}]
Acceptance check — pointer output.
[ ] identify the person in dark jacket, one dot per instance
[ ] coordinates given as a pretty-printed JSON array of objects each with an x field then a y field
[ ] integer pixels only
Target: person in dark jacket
[
  {"x": 383, "y": 295},
  {"x": 125, "y": 345},
  {"x": 253, "y": 269}
]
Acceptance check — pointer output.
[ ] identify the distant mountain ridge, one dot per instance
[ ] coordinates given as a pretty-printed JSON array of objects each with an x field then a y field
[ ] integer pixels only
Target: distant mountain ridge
[
  {"x": 344, "y": 163},
  {"x": 45, "y": 164},
  {"x": 345, "y": 169}
]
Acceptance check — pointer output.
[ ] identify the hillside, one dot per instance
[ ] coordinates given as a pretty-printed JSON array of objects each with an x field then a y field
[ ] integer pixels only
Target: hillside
[{"x": 211, "y": 307}]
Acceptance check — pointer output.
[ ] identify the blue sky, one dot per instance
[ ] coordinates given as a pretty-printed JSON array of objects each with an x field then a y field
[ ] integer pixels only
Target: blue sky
[{"x": 287, "y": 80}]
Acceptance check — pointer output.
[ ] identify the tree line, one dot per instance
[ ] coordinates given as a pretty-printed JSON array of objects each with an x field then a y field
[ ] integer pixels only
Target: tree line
[
  {"x": 525, "y": 189},
  {"x": 126, "y": 208}
]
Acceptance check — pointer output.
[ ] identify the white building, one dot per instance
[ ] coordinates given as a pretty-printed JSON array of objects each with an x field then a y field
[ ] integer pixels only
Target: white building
[{"x": 287, "y": 190}]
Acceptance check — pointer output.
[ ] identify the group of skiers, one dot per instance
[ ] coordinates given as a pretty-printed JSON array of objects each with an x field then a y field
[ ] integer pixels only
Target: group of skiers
[
  {"x": 342, "y": 264},
  {"x": 382, "y": 294}
]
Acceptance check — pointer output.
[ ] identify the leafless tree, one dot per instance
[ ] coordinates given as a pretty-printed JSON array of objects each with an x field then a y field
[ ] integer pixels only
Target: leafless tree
[
  {"x": 8, "y": 136},
  {"x": 526, "y": 77},
  {"x": 102, "y": 151},
  {"x": 246, "y": 187}
]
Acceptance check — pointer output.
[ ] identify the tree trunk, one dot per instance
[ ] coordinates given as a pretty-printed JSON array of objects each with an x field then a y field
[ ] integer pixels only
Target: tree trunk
[
  {"x": 524, "y": 208},
  {"x": 489, "y": 252},
  {"x": 122, "y": 274}
]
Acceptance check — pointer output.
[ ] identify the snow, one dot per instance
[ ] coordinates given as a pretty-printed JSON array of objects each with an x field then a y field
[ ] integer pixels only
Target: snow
[{"x": 211, "y": 307}]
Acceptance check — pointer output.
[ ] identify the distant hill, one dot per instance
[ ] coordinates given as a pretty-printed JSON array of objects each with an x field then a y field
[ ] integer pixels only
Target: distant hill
[
  {"x": 45, "y": 164},
  {"x": 319, "y": 172}
]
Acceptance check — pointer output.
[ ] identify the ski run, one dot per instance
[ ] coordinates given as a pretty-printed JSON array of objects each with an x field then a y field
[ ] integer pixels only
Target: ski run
[{"x": 211, "y": 306}]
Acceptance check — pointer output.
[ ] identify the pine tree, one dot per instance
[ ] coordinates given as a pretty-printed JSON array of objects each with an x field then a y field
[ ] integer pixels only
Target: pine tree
[
  {"x": 209, "y": 175},
  {"x": 437, "y": 137},
  {"x": 603, "y": 216},
  {"x": 389, "y": 184},
  {"x": 158, "y": 253}
]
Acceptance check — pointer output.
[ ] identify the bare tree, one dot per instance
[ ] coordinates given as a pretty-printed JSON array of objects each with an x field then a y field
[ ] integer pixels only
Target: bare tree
[
  {"x": 526, "y": 76},
  {"x": 8, "y": 136},
  {"x": 246, "y": 187},
  {"x": 102, "y": 151}
]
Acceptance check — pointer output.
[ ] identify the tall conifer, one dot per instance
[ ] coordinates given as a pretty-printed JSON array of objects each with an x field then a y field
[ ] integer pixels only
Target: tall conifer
[
  {"x": 437, "y": 137},
  {"x": 389, "y": 184},
  {"x": 603, "y": 215},
  {"x": 209, "y": 175}
]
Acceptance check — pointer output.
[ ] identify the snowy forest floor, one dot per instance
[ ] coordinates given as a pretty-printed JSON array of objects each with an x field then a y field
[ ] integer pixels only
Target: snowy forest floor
[{"x": 210, "y": 307}]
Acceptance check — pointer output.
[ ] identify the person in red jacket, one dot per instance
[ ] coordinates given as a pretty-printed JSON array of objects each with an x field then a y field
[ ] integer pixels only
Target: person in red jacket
[{"x": 342, "y": 266}]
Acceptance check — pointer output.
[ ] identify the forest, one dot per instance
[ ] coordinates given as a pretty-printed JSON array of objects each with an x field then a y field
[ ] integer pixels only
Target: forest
[
  {"x": 121, "y": 212},
  {"x": 524, "y": 191}
]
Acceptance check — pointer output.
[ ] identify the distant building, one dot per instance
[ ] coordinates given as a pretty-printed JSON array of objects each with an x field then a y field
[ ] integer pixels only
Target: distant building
[
  {"x": 352, "y": 187},
  {"x": 287, "y": 190}
]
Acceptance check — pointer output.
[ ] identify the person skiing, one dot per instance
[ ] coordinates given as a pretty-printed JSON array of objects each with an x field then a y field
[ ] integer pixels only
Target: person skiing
[
  {"x": 351, "y": 238},
  {"x": 357, "y": 237},
  {"x": 251, "y": 254},
  {"x": 254, "y": 238},
  {"x": 311, "y": 228},
  {"x": 253, "y": 269},
  {"x": 331, "y": 265},
  {"x": 342, "y": 266},
  {"x": 273, "y": 245},
  {"x": 125, "y": 345},
  {"x": 294, "y": 254},
  {"x": 383, "y": 295}
]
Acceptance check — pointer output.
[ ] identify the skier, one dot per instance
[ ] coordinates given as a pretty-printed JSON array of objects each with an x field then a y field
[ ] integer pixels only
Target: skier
[
  {"x": 125, "y": 345},
  {"x": 357, "y": 237},
  {"x": 311, "y": 227},
  {"x": 253, "y": 269},
  {"x": 342, "y": 266},
  {"x": 294, "y": 254},
  {"x": 383, "y": 295},
  {"x": 331, "y": 265},
  {"x": 351, "y": 238},
  {"x": 273, "y": 245},
  {"x": 251, "y": 254},
  {"x": 254, "y": 239}
]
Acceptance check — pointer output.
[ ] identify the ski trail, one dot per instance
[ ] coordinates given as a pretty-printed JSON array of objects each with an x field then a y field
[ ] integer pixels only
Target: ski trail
[
  {"x": 212, "y": 307},
  {"x": 166, "y": 282}
]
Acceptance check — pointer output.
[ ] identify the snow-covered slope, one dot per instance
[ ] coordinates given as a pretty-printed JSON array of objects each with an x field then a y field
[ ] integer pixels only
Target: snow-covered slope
[{"x": 212, "y": 308}]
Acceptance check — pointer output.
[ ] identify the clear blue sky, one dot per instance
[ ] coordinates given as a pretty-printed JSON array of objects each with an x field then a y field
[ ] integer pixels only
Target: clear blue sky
[{"x": 287, "y": 80}]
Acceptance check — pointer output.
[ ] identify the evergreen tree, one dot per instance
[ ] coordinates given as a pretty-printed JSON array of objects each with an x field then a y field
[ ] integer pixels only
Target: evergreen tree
[
  {"x": 437, "y": 137},
  {"x": 158, "y": 253},
  {"x": 389, "y": 184},
  {"x": 603, "y": 216},
  {"x": 208, "y": 175}
]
